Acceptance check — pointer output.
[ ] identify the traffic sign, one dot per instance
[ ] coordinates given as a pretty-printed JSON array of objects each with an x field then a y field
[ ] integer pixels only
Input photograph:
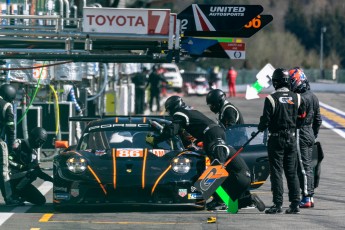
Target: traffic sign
[
  {"x": 217, "y": 17},
  {"x": 126, "y": 21},
  {"x": 246, "y": 31}
]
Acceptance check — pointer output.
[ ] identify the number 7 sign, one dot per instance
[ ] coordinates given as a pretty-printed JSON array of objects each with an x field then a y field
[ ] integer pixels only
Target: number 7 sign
[
  {"x": 126, "y": 21},
  {"x": 158, "y": 22}
]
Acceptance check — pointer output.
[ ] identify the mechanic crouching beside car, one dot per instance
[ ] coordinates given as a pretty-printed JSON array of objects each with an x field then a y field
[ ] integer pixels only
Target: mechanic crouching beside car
[
  {"x": 25, "y": 167},
  {"x": 213, "y": 137}
]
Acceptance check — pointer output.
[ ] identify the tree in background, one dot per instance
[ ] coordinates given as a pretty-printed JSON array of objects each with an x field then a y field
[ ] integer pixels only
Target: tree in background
[{"x": 309, "y": 32}]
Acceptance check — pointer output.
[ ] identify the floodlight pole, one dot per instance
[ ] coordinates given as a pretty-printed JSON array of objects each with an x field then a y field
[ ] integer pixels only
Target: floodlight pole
[{"x": 322, "y": 71}]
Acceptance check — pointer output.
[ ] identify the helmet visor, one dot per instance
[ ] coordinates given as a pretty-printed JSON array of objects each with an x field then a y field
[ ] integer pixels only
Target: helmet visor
[
  {"x": 213, "y": 108},
  {"x": 39, "y": 142}
]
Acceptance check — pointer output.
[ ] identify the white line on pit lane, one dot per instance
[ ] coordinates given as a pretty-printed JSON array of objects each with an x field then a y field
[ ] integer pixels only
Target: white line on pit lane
[
  {"x": 328, "y": 125},
  {"x": 44, "y": 189}
]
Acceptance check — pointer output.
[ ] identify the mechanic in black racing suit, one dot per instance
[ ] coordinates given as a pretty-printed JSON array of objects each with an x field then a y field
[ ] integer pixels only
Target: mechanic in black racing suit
[
  {"x": 25, "y": 167},
  {"x": 230, "y": 115},
  {"x": 308, "y": 131},
  {"x": 280, "y": 113},
  {"x": 212, "y": 135},
  {"x": 7, "y": 133}
]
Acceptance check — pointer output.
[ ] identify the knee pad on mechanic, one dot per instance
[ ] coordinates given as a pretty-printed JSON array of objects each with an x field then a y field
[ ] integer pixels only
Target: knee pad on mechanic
[{"x": 221, "y": 152}]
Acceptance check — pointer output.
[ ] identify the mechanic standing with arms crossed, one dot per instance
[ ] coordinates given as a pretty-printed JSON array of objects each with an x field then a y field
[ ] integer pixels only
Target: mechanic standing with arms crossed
[
  {"x": 309, "y": 129},
  {"x": 7, "y": 95},
  {"x": 212, "y": 135},
  {"x": 280, "y": 113},
  {"x": 24, "y": 164}
]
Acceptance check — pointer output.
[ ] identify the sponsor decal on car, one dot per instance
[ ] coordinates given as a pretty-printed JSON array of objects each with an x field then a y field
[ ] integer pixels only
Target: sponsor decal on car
[
  {"x": 106, "y": 126},
  {"x": 61, "y": 196},
  {"x": 100, "y": 152},
  {"x": 194, "y": 196},
  {"x": 182, "y": 192},
  {"x": 74, "y": 192},
  {"x": 62, "y": 189},
  {"x": 158, "y": 152}
]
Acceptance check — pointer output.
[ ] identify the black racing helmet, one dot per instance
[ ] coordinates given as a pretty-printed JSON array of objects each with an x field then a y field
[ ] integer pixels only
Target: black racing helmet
[
  {"x": 173, "y": 103},
  {"x": 38, "y": 136},
  {"x": 8, "y": 92},
  {"x": 280, "y": 78},
  {"x": 215, "y": 100}
]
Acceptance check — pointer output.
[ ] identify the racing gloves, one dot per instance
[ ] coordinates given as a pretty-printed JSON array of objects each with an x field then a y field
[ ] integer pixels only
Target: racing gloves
[{"x": 261, "y": 128}]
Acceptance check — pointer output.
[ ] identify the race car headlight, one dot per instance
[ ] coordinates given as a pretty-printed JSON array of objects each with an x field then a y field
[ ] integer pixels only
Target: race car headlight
[
  {"x": 76, "y": 164},
  {"x": 181, "y": 164}
]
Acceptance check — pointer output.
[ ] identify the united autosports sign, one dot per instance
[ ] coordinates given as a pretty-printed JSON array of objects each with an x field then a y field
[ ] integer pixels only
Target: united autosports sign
[
  {"x": 198, "y": 17},
  {"x": 126, "y": 21}
]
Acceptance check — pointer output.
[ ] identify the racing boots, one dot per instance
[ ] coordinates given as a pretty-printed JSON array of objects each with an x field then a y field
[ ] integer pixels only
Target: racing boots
[
  {"x": 293, "y": 209},
  {"x": 306, "y": 202},
  {"x": 258, "y": 203},
  {"x": 14, "y": 202},
  {"x": 312, "y": 201},
  {"x": 216, "y": 205},
  {"x": 275, "y": 209}
]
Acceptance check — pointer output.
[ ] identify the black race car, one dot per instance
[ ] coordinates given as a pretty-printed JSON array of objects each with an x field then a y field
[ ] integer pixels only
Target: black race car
[
  {"x": 113, "y": 164},
  {"x": 254, "y": 154}
]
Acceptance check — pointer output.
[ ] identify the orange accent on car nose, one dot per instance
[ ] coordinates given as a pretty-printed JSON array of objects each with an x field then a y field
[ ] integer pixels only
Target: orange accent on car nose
[
  {"x": 144, "y": 170},
  {"x": 159, "y": 178},
  {"x": 114, "y": 167},
  {"x": 97, "y": 179}
]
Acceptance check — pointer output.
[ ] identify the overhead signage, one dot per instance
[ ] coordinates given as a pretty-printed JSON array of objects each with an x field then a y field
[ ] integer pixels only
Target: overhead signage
[
  {"x": 217, "y": 17},
  {"x": 196, "y": 46},
  {"x": 214, "y": 47},
  {"x": 234, "y": 50},
  {"x": 126, "y": 21},
  {"x": 248, "y": 30}
]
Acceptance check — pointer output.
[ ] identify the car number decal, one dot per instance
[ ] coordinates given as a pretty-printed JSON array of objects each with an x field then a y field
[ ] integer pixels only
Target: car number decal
[{"x": 129, "y": 152}]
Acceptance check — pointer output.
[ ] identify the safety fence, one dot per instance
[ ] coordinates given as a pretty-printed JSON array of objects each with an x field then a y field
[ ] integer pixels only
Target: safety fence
[{"x": 249, "y": 76}]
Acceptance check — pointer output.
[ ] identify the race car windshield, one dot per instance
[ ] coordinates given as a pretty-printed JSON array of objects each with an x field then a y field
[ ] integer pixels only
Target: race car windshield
[
  {"x": 237, "y": 135},
  {"x": 125, "y": 139}
]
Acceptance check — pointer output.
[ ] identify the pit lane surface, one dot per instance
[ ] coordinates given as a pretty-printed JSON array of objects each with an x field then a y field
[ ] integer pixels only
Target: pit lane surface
[{"x": 328, "y": 213}]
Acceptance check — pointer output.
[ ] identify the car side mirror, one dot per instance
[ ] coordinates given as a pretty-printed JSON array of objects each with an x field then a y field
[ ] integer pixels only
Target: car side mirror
[{"x": 61, "y": 144}]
